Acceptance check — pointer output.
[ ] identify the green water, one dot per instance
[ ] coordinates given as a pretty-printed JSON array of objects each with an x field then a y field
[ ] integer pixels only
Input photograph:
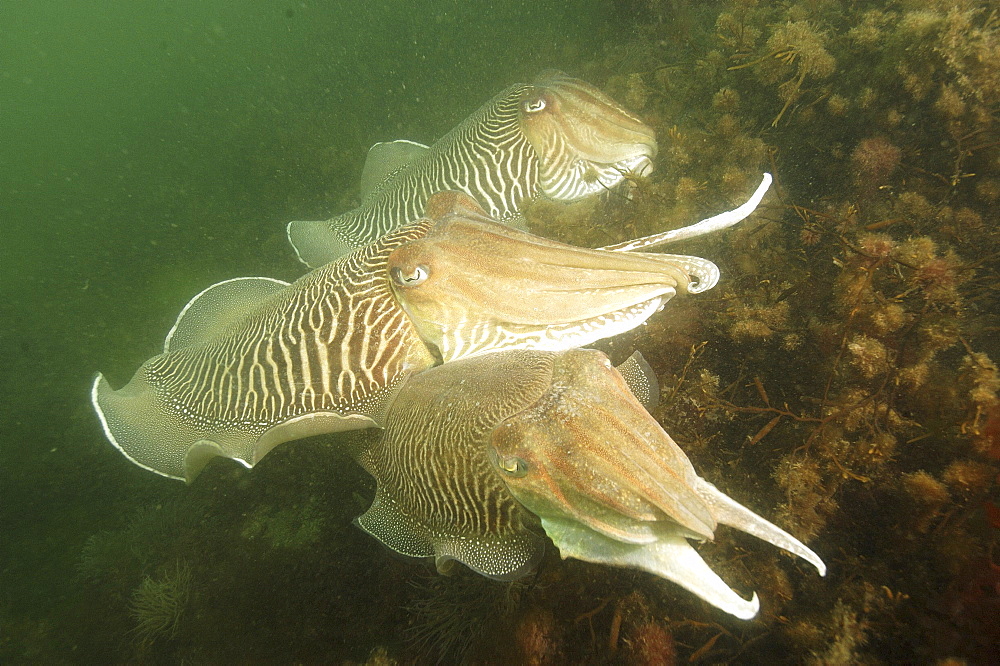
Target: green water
[
  {"x": 152, "y": 148},
  {"x": 838, "y": 380}
]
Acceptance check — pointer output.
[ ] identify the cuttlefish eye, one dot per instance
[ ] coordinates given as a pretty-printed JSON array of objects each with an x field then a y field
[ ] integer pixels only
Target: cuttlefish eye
[
  {"x": 512, "y": 466},
  {"x": 411, "y": 278},
  {"x": 533, "y": 105}
]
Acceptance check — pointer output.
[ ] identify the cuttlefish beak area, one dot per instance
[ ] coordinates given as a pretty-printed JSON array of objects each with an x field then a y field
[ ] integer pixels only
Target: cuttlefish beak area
[
  {"x": 472, "y": 285},
  {"x": 584, "y": 140},
  {"x": 611, "y": 487}
]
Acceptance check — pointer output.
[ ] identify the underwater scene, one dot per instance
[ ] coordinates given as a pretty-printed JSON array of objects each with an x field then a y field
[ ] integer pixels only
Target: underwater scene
[{"x": 522, "y": 332}]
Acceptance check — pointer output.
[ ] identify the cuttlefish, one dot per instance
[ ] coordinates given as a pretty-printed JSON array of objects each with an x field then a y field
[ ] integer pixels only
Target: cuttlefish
[
  {"x": 558, "y": 137},
  {"x": 480, "y": 457},
  {"x": 254, "y": 362}
]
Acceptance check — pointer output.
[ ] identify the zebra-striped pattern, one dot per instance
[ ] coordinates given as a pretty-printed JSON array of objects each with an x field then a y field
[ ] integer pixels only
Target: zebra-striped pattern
[
  {"x": 336, "y": 340},
  {"x": 430, "y": 460},
  {"x": 487, "y": 156}
]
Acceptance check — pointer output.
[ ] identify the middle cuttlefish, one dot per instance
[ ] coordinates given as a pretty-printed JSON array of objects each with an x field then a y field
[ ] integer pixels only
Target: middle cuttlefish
[
  {"x": 252, "y": 363},
  {"x": 477, "y": 457}
]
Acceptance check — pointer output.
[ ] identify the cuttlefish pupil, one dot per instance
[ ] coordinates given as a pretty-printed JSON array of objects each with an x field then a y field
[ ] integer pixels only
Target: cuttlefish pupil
[
  {"x": 533, "y": 105},
  {"x": 412, "y": 278},
  {"x": 512, "y": 466}
]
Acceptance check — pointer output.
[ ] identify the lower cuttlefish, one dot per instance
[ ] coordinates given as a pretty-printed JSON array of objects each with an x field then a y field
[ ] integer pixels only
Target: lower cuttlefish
[{"x": 480, "y": 456}]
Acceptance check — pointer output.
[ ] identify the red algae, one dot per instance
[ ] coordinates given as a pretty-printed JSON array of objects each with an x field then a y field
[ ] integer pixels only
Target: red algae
[
  {"x": 537, "y": 637},
  {"x": 652, "y": 644},
  {"x": 874, "y": 161}
]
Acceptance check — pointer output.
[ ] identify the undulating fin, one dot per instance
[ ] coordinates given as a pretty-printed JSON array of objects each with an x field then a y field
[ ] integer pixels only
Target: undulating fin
[
  {"x": 141, "y": 423},
  {"x": 506, "y": 557},
  {"x": 641, "y": 380},
  {"x": 394, "y": 528},
  {"x": 318, "y": 242},
  {"x": 728, "y": 511},
  {"x": 214, "y": 309},
  {"x": 509, "y": 557},
  {"x": 670, "y": 556},
  {"x": 385, "y": 160}
]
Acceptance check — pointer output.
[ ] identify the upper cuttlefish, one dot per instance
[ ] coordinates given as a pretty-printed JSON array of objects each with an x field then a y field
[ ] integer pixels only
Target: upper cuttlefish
[{"x": 558, "y": 137}]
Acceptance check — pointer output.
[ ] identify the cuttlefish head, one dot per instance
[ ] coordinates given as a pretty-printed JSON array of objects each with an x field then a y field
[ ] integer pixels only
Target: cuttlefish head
[
  {"x": 610, "y": 486},
  {"x": 589, "y": 450},
  {"x": 472, "y": 285},
  {"x": 585, "y": 142}
]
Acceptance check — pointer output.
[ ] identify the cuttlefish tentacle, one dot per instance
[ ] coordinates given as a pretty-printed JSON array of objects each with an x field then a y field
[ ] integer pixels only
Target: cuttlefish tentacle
[
  {"x": 558, "y": 136},
  {"x": 706, "y": 226},
  {"x": 325, "y": 353}
]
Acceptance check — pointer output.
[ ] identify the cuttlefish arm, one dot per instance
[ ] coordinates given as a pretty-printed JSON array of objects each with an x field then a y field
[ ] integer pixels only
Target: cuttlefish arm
[{"x": 610, "y": 486}]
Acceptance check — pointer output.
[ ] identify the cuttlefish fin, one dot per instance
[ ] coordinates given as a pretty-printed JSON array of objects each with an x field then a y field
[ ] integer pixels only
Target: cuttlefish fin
[
  {"x": 641, "y": 380},
  {"x": 154, "y": 434},
  {"x": 385, "y": 160},
  {"x": 501, "y": 557},
  {"x": 214, "y": 309},
  {"x": 318, "y": 242},
  {"x": 729, "y": 512},
  {"x": 670, "y": 557},
  {"x": 395, "y": 528}
]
